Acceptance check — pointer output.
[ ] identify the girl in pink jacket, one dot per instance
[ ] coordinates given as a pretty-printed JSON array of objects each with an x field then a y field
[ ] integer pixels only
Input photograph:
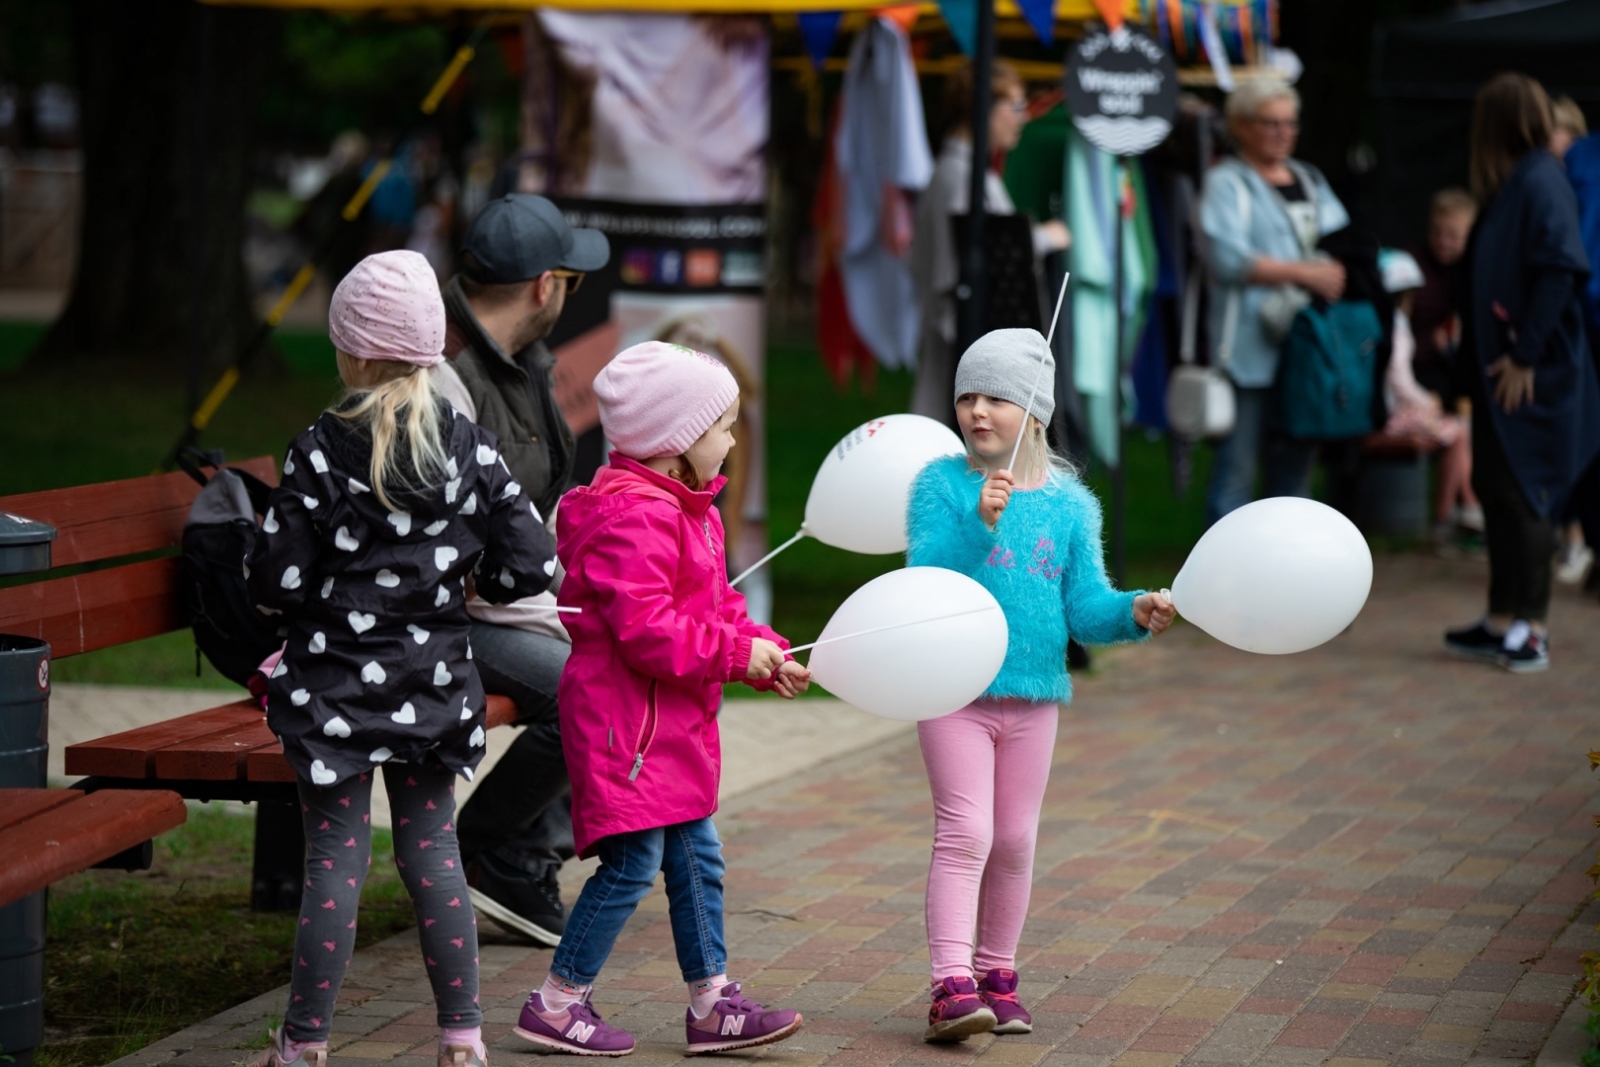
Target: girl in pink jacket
[{"x": 658, "y": 633}]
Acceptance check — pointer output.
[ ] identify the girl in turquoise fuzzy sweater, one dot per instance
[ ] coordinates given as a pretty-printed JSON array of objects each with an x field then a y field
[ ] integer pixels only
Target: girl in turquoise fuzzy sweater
[{"x": 1032, "y": 538}]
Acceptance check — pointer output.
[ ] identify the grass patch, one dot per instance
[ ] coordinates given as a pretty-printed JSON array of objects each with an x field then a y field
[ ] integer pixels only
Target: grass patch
[
  {"x": 168, "y": 660},
  {"x": 132, "y": 958}
]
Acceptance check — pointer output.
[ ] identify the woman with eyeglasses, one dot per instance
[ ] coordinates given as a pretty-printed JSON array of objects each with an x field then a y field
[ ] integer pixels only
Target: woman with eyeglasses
[
  {"x": 935, "y": 265},
  {"x": 1262, "y": 214}
]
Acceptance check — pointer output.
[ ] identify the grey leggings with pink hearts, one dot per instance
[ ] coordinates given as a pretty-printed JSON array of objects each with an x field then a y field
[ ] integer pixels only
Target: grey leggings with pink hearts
[{"x": 338, "y": 821}]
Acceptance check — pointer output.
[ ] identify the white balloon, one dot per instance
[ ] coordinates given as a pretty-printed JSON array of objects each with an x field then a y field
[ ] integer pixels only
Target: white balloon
[
  {"x": 858, "y": 498},
  {"x": 920, "y": 670},
  {"x": 1277, "y": 576}
]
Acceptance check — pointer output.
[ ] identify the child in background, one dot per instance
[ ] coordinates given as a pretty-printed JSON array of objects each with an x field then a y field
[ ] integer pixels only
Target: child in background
[
  {"x": 1575, "y": 557},
  {"x": 387, "y": 504},
  {"x": 1418, "y": 415},
  {"x": 1434, "y": 321},
  {"x": 660, "y": 632},
  {"x": 1032, "y": 538}
]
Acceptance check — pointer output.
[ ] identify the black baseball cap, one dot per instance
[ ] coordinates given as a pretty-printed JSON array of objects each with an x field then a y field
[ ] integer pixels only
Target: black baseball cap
[{"x": 520, "y": 236}]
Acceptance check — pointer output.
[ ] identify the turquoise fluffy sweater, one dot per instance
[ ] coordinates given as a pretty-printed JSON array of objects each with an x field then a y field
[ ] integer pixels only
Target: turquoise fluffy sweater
[{"x": 1043, "y": 562}]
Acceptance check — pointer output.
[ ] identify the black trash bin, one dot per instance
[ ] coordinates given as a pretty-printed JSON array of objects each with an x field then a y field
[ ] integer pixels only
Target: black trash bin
[{"x": 24, "y": 751}]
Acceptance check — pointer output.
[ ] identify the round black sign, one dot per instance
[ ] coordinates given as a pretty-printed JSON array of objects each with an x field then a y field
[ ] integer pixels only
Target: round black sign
[{"x": 1122, "y": 90}]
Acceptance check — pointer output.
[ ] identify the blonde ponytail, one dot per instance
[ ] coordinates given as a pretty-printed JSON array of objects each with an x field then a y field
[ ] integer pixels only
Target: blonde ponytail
[{"x": 397, "y": 405}]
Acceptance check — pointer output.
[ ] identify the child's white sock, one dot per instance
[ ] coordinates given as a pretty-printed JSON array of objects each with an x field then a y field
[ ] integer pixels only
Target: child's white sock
[
  {"x": 704, "y": 993},
  {"x": 559, "y": 994},
  {"x": 471, "y": 1037}
]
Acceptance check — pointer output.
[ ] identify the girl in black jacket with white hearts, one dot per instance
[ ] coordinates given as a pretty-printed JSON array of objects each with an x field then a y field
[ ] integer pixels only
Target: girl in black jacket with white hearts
[{"x": 388, "y": 504}]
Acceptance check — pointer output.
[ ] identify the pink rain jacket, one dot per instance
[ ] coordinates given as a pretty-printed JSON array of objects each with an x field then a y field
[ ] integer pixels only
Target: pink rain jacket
[{"x": 659, "y": 633}]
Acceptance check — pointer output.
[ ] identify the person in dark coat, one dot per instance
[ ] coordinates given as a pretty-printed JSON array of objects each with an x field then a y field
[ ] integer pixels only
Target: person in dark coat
[
  {"x": 1525, "y": 364},
  {"x": 388, "y": 505},
  {"x": 519, "y": 261}
]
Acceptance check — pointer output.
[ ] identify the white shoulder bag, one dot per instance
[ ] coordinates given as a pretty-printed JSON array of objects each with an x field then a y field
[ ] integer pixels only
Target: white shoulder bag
[{"x": 1200, "y": 402}]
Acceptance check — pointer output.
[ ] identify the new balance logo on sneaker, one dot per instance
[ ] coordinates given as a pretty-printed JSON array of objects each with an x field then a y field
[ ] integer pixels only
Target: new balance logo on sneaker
[
  {"x": 734, "y": 1022},
  {"x": 580, "y": 1031}
]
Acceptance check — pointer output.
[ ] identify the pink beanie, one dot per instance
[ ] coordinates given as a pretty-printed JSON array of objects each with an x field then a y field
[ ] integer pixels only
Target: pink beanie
[
  {"x": 658, "y": 399},
  {"x": 389, "y": 307}
]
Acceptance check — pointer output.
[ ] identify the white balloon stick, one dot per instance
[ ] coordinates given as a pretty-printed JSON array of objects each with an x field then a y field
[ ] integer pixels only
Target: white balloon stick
[
  {"x": 554, "y": 607},
  {"x": 1033, "y": 394},
  {"x": 764, "y": 560},
  {"x": 891, "y": 626}
]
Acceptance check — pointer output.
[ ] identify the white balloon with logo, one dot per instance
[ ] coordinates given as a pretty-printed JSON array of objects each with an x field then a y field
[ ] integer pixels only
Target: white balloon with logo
[{"x": 858, "y": 498}]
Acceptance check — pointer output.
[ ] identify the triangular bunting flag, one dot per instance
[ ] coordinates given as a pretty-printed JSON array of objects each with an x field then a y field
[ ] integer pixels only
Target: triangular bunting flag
[
  {"x": 818, "y": 29},
  {"x": 1041, "y": 15},
  {"x": 1110, "y": 11},
  {"x": 902, "y": 15},
  {"x": 962, "y": 18}
]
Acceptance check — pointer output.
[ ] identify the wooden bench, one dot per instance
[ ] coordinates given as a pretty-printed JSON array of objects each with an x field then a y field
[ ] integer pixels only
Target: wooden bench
[
  {"x": 222, "y": 753},
  {"x": 47, "y": 834}
]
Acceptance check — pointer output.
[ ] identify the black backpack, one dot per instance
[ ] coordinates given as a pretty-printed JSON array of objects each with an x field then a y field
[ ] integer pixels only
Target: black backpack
[{"x": 219, "y": 534}]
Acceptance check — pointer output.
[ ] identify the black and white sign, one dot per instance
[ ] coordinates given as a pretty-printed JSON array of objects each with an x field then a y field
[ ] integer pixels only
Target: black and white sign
[{"x": 1122, "y": 90}]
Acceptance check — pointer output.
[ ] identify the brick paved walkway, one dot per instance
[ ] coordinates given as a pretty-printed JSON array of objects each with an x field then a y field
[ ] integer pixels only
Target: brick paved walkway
[{"x": 1368, "y": 854}]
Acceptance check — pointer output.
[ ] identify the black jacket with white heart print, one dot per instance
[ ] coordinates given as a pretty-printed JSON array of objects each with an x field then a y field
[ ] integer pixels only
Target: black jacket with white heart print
[{"x": 377, "y": 665}]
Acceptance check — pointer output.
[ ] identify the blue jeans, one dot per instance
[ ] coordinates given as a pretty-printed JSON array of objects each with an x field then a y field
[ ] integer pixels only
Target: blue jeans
[
  {"x": 690, "y": 855},
  {"x": 1256, "y": 439}
]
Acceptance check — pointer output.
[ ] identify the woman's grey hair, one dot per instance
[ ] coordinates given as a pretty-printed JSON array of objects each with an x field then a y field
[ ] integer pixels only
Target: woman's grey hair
[{"x": 1246, "y": 101}]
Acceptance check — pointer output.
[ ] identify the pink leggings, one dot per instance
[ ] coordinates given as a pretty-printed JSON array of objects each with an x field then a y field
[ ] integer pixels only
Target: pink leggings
[{"x": 988, "y": 765}]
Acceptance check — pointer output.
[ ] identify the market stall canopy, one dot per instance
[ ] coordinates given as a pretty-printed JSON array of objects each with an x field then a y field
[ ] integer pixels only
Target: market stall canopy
[
  {"x": 1065, "y": 10},
  {"x": 1427, "y": 72}
]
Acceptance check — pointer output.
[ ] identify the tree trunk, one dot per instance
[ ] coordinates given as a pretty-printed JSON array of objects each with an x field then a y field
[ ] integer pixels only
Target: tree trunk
[{"x": 168, "y": 93}]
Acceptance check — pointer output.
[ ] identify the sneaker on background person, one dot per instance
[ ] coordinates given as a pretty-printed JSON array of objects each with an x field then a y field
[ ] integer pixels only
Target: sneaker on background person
[
  {"x": 1525, "y": 649},
  {"x": 957, "y": 1012},
  {"x": 998, "y": 991},
  {"x": 1478, "y": 642},
  {"x": 519, "y": 903},
  {"x": 576, "y": 1029},
  {"x": 734, "y": 1021},
  {"x": 1573, "y": 562}
]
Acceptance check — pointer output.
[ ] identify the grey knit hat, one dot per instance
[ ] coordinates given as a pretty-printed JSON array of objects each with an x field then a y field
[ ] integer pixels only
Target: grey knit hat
[{"x": 1004, "y": 364}]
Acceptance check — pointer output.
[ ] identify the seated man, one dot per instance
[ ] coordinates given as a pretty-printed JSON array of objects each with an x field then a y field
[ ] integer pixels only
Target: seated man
[{"x": 519, "y": 262}]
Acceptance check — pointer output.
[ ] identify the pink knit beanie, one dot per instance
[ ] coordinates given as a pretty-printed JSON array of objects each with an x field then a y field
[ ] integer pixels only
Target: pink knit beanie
[
  {"x": 389, "y": 307},
  {"x": 657, "y": 399}
]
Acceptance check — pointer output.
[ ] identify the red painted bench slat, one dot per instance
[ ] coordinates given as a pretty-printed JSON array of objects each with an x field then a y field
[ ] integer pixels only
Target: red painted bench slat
[
  {"x": 98, "y": 609},
  {"x": 218, "y": 758},
  {"x": 132, "y": 753},
  {"x": 218, "y": 744},
  {"x": 268, "y": 765},
  {"x": 75, "y": 835},
  {"x": 20, "y": 805},
  {"x": 112, "y": 519}
]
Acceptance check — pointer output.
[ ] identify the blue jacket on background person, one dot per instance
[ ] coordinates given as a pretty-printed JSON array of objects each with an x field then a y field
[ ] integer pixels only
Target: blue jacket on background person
[
  {"x": 1583, "y": 170},
  {"x": 1235, "y": 239},
  {"x": 1525, "y": 239}
]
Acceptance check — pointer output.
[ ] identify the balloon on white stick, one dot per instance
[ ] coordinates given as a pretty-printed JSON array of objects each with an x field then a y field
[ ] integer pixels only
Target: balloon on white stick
[
  {"x": 913, "y": 644},
  {"x": 859, "y": 495},
  {"x": 1277, "y": 576}
]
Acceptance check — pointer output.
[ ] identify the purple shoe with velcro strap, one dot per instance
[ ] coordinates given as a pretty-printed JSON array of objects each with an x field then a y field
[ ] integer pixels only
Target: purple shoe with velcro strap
[
  {"x": 735, "y": 1021},
  {"x": 577, "y": 1029}
]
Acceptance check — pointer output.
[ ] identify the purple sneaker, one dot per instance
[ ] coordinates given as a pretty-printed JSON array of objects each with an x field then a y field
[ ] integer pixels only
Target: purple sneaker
[
  {"x": 999, "y": 990},
  {"x": 736, "y": 1021},
  {"x": 957, "y": 1012},
  {"x": 578, "y": 1029}
]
